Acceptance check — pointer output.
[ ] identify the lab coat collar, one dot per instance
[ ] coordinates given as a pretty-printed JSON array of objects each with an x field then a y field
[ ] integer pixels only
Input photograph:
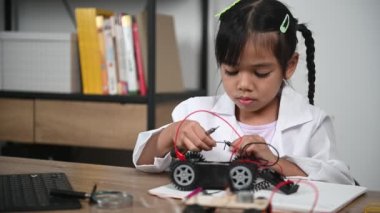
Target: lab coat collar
[
  {"x": 294, "y": 108},
  {"x": 224, "y": 105}
]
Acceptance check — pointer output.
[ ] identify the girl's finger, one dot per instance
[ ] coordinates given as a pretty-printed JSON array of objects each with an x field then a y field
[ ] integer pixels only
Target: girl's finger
[
  {"x": 196, "y": 140},
  {"x": 190, "y": 145},
  {"x": 204, "y": 138}
]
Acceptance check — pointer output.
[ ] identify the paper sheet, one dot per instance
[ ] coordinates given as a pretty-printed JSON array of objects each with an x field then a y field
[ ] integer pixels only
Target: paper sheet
[
  {"x": 331, "y": 197},
  {"x": 169, "y": 190}
]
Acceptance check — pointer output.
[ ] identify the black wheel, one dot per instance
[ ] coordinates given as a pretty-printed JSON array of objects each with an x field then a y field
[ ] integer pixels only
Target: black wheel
[
  {"x": 242, "y": 176},
  {"x": 183, "y": 175}
]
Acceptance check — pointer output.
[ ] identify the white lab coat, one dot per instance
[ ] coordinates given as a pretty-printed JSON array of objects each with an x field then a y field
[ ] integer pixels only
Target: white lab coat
[{"x": 304, "y": 135}]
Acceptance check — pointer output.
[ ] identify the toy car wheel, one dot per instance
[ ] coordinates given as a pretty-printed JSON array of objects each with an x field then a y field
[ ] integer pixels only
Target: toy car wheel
[
  {"x": 184, "y": 175},
  {"x": 241, "y": 177}
]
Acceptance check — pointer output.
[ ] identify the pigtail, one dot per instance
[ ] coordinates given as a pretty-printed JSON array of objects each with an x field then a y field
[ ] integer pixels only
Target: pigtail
[{"x": 310, "y": 50}]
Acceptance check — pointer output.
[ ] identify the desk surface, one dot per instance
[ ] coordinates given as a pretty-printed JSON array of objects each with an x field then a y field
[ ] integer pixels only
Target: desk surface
[{"x": 84, "y": 176}]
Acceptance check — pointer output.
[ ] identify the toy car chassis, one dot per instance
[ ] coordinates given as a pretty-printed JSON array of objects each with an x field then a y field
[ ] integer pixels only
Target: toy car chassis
[{"x": 239, "y": 174}]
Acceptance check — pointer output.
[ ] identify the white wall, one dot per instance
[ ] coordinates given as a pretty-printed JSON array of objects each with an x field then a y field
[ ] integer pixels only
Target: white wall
[{"x": 346, "y": 33}]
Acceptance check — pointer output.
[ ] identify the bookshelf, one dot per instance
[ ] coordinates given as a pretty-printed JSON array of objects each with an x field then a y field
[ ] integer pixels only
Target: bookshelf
[{"x": 149, "y": 108}]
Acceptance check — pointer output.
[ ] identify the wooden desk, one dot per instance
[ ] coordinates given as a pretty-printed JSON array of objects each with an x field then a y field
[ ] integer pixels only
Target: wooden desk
[{"x": 84, "y": 176}]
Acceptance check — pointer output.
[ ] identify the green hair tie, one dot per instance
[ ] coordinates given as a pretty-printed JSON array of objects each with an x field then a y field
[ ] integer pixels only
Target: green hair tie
[
  {"x": 227, "y": 8},
  {"x": 285, "y": 24}
]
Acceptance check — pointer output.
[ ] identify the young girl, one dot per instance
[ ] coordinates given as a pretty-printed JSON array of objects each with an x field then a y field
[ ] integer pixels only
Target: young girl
[{"x": 255, "y": 50}]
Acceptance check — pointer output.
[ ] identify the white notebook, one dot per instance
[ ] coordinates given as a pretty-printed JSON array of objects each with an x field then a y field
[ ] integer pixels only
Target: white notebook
[{"x": 331, "y": 197}]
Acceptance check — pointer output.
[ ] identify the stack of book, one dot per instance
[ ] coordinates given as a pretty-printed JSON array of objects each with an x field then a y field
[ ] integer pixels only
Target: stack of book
[{"x": 113, "y": 53}]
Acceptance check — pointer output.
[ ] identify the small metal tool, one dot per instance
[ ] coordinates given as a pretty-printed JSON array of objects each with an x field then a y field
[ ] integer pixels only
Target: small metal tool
[
  {"x": 101, "y": 199},
  {"x": 212, "y": 130}
]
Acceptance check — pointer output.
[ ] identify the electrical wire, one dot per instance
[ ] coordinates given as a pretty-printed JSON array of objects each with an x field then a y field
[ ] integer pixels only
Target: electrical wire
[
  {"x": 259, "y": 160},
  {"x": 288, "y": 182},
  {"x": 180, "y": 155}
]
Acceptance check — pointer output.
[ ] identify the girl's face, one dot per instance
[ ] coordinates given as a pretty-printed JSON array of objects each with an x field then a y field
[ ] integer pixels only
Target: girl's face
[{"x": 254, "y": 84}]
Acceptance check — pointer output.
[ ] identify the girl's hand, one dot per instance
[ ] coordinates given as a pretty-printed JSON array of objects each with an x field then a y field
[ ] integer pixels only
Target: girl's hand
[
  {"x": 191, "y": 136},
  {"x": 254, "y": 146}
]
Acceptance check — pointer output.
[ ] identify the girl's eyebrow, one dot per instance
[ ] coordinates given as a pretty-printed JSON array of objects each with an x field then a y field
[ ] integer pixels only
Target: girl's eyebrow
[
  {"x": 261, "y": 65},
  {"x": 258, "y": 65}
]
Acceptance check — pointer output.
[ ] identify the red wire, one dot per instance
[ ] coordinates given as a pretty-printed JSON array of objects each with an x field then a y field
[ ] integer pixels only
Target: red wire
[
  {"x": 180, "y": 155},
  {"x": 283, "y": 183},
  {"x": 194, "y": 192}
]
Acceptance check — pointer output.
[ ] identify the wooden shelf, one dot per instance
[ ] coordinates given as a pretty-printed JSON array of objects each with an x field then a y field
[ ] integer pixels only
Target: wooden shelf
[
  {"x": 103, "y": 121},
  {"x": 123, "y": 99}
]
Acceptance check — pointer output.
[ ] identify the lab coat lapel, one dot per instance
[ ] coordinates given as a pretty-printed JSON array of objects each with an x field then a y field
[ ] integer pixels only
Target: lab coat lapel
[
  {"x": 226, "y": 108},
  {"x": 224, "y": 105},
  {"x": 294, "y": 109}
]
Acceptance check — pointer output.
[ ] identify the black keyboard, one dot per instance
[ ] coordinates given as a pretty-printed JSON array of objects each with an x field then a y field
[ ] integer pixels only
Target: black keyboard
[{"x": 30, "y": 192}]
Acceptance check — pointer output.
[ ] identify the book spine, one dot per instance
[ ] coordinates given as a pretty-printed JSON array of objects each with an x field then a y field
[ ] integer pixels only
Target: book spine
[
  {"x": 121, "y": 57},
  {"x": 139, "y": 59},
  {"x": 110, "y": 56},
  {"x": 126, "y": 21},
  {"x": 141, "y": 20},
  {"x": 103, "y": 65},
  {"x": 90, "y": 59}
]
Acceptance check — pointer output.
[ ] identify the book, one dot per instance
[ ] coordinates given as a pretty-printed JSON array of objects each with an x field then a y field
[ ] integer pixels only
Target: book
[
  {"x": 103, "y": 65},
  {"x": 139, "y": 59},
  {"x": 120, "y": 57},
  {"x": 126, "y": 22},
  {"x": 141, "y": 20},
  {"x": 109, "y": 47},
  {"x": 89, "y": 51}
]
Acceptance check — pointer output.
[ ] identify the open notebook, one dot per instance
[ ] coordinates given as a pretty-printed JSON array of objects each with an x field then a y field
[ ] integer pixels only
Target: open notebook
[{"x": 331, "y": 197}]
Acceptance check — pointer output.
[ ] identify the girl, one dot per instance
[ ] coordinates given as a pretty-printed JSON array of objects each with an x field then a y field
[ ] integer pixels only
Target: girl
[{"x": 255, "y": 51}]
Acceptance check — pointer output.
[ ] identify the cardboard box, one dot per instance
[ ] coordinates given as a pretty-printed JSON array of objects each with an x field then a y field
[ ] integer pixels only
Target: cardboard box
[
  {"x": 39, "y": 62},
  {"x": 168, "y": 65}
]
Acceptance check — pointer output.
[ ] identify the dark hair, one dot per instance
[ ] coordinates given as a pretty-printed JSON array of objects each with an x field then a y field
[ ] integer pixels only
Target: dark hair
[{"x": 249, "y": 19}]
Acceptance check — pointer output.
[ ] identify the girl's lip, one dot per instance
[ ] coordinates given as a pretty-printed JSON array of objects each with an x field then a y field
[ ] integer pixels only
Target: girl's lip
[{"x": 245, "y": 101}]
